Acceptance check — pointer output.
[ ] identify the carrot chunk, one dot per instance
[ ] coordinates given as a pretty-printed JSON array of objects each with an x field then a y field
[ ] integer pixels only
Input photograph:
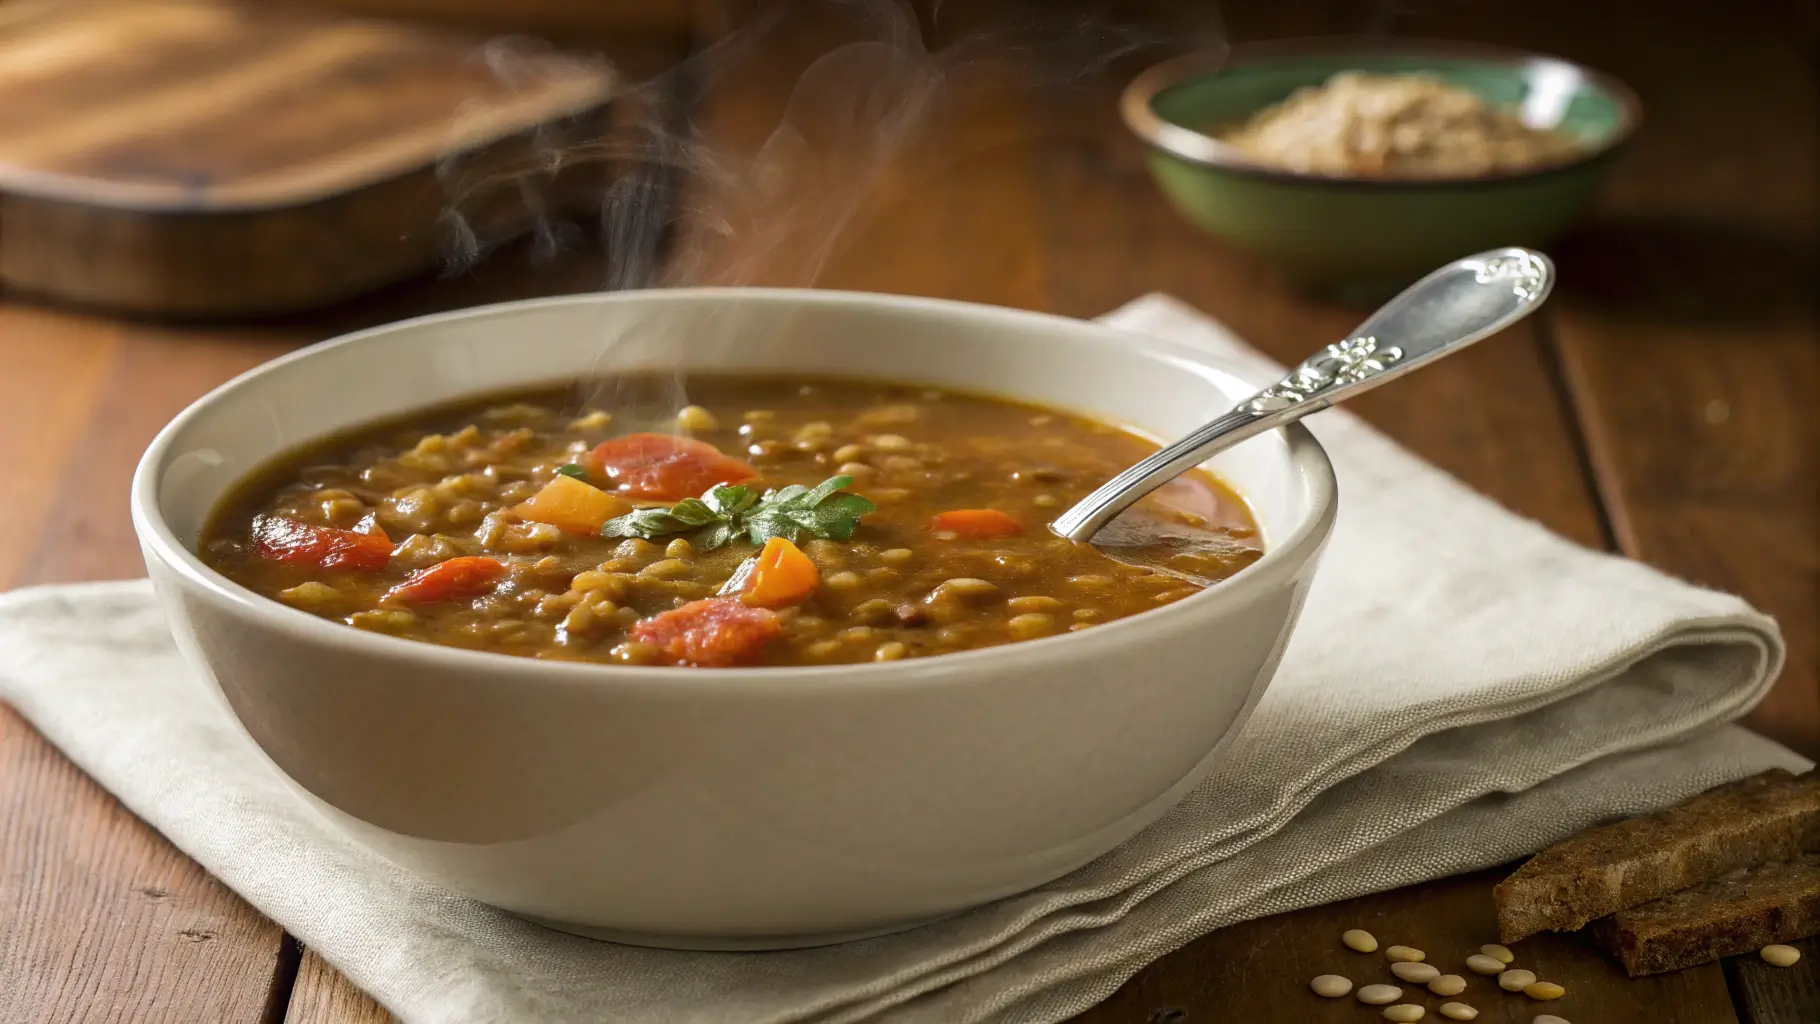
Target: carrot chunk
[
  {"x": 319, "y": 547},
  {"x": 713, "y": 633},
  {"x": 452, "y": 580},
  {"x": 572, "y": 506},
  {"x": 666, "y": 467},
  {"x": 783, "y": 576},
  {"x": 977, "y": 522}
]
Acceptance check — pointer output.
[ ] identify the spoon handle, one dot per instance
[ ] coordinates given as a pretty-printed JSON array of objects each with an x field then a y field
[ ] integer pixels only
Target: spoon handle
[{"x": 1444, "y": 312}]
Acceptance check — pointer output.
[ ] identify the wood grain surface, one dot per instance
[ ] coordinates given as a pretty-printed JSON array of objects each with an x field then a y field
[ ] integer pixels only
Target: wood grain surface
[
  {"x": 321, "y": 994},
  {"x": 208, "y": 106},
  {"x": 1260, "y": 970},
  {"x": 102, "y": 920},
  {"x": 202, "y": 158},
  {"x": 1664, "y": 408}
]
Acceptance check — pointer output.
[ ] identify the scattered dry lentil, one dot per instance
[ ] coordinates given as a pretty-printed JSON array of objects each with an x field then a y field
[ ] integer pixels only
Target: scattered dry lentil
[
  {"x": 1544, "y": 990},
  {"x": 1779, "y": 955},
  {"x": 1497, "y": 952},
  {"x": 1332, "y": 986},
  {"x": 1410, "y": 970},
  {"x": 1479, "y": 963},
  {"x": 1447, "y": 985},
  {"x": 1516, "y": 980}
]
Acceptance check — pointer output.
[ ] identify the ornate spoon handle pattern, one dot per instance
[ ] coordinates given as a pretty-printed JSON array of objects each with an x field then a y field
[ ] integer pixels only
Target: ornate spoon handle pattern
[{"x": 1444, "y": 312}]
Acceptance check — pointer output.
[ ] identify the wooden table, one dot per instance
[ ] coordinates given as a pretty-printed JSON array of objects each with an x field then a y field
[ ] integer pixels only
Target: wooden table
[{"x": 1663, "y": 407}]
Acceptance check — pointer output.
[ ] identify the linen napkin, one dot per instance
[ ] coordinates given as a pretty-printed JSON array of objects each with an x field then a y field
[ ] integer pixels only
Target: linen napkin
[{"x": 1462, "y": 681}]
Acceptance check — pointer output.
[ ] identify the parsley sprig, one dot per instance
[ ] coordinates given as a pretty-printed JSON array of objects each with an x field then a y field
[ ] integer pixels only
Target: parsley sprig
[{"x": 729, "y": 511}]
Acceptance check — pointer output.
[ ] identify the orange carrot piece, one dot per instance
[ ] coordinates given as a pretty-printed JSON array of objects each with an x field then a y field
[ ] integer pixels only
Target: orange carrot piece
[
  {"x": 572, "y": 506},
  {"x": 455, "y": 579},
  {"x": 977, "y": 522},
  {"x": 783, "y": 576}
]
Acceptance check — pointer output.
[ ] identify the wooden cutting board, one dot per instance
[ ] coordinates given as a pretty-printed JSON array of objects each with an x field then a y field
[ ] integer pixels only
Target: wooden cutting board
[{"x": 193, "y": 158}]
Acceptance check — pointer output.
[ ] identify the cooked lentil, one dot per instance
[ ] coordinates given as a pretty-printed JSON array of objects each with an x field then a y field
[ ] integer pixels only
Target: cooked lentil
[{"x": 417, "y": 527}]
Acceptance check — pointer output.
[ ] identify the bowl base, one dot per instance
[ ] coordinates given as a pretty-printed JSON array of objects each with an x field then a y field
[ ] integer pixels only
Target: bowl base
[{"x": 710, "y": 944}]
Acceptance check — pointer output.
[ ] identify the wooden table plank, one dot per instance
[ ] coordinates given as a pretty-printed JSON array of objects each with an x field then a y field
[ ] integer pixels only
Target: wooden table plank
[
  {"x": 1777, "y": 995},
  {"x": 322, "y": 996},
  {"x": 1688, "y": 330},
  {"x": 153, "y": 374},
  {"x": 1259, "y": 970},
  {"x": 1724, "y": 496},
  {"x": 55, "y": 388},
  {"x": 101, "y": 920}
]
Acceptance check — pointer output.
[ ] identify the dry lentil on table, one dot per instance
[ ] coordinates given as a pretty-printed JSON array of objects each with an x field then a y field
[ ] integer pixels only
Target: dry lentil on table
[{"x": 441, "y": 485}]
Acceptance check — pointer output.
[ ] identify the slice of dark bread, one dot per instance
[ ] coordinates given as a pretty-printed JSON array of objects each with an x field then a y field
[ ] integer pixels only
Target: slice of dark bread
[
  {"x": 1772, "y": 816},
  {"x": 1734, "y": 913}
]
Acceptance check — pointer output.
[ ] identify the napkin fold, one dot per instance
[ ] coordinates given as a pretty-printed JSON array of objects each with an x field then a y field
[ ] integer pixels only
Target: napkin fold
[{"x": 1462, "y": 681}]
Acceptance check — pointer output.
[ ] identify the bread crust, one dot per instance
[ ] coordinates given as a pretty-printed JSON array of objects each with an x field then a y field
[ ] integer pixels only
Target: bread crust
[
  {"x": 1768, "y": 817},
  {"x": 1734, "y": 913}
]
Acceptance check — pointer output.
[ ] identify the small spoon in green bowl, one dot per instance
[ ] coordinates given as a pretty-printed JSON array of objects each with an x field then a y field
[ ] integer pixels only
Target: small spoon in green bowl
[{"x": 1451, "y": 308}]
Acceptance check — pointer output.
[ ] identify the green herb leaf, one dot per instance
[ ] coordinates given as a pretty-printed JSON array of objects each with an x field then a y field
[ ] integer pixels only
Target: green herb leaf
[
  {"x": 571, "y": 469},
  {"x": 729, "y": 499},
  {"x": 711, "y": 537},
  {"x": 693, "y": 512},
  {"x": 826, "y": 489},
  {"x": 839, "y": 516},
  {"x": 644, "y": 522},
  {"x": 728, "y": 511}
]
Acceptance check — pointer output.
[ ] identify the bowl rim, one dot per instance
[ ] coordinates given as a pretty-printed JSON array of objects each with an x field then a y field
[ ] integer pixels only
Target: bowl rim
[
  {"x": 1280, "y": 562},
  {"x": 1136, "y": 107}
]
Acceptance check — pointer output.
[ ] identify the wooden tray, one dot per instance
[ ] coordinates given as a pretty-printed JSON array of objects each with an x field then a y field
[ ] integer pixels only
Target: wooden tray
[{"x": 191, "y": 158}]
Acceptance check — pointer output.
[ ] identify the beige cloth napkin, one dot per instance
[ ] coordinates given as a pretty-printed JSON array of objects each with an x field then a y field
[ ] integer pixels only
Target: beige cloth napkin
[{"x": 1462, "y": 681}]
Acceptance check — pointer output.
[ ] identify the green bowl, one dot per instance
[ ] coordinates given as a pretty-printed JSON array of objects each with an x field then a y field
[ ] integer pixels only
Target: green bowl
[{"x": 1367, "y": 237}]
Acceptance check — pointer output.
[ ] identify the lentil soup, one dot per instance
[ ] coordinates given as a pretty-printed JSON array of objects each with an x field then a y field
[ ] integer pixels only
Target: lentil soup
[{"x": 773, "y": 522}]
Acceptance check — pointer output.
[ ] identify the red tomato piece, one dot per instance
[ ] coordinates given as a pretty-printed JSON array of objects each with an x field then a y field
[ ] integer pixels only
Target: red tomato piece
[
  {"x": 451, "y": 580},
  {"x": 713, "y": 633},
  {"x": 666, "y": 467},
  {"x": 977, "y": 522},
  {"x": 319, "y": 547}
]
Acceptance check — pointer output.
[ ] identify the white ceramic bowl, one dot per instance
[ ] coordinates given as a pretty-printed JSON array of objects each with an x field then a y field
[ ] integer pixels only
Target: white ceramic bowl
[{"x": 734, "y": 808}]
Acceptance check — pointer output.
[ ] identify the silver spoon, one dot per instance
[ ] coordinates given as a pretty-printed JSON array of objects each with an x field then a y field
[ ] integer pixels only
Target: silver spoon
[{"x": 1441, "y": 314}]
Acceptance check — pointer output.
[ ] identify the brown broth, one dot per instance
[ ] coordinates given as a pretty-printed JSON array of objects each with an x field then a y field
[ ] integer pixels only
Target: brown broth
[{"x": 442, "y": 484}]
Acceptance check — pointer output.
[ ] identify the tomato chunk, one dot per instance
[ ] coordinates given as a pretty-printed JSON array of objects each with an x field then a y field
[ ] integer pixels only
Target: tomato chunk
[
  {"x": 319, "y": 547},
  {"x": 455, "y": 579},
  {"x": 783, "y": 576},
  {"x": 572, "y": 506},
  {"x": 977, "y": 522},
  {"x": 666, "y": 467},
  {"x": 713, "y": 633}
]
